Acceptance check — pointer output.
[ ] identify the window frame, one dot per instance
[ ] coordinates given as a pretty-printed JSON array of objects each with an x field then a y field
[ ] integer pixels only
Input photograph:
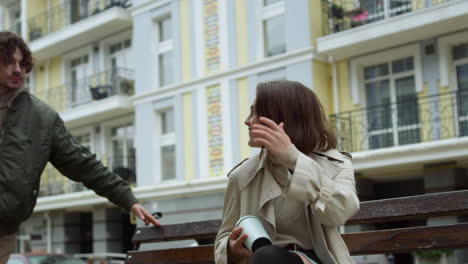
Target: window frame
[
  {"x": 67, "y": 69},
  {"x": 457, "y": 118},
  {"x": 163, "y": 47},
  {"x": 446, "y": 63},
  {"x": 164, "y": 140},
  {"x": 357, "y": 82},
  {"x": 106, "y": 142},
  {"x": 264, "y": 13}
]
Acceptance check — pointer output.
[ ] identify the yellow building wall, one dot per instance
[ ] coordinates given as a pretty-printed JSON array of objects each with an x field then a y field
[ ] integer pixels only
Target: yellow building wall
[
  {"x": 57, "y": 89},
  {"x": 424, "y": 115},
  {"x": 243, "y": 106},
  {"x": 345, "y": 101},
  {"x": 241, "y": 33},
  {"x": 351, "y": 130},
  {"x": 447, "y": 112},
  {"x": 322, "y": 85},
  {"x": 187, "y": 107},
  {"x": 40, "y": 81},
  {"x": 315, "y": 20},
  {"x": 185, "y": 40},
  {"x": 35, "y": 7}
]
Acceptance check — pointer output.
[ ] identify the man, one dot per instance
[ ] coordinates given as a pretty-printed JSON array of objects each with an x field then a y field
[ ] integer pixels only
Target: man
[{"x": 32, "y": 134}]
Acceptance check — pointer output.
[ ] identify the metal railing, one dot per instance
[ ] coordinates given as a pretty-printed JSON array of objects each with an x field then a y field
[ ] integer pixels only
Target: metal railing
[
  {"x": 118, "y": 81},
  {"x": 68, "y": 13},
  {"x": 411, "y": 120},
  {"x": 340, "y": 15},
  {"x": 54, "y": 183}
]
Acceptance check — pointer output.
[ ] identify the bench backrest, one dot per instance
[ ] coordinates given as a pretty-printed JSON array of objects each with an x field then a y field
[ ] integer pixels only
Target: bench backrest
[{"x": 361, "y": 243}]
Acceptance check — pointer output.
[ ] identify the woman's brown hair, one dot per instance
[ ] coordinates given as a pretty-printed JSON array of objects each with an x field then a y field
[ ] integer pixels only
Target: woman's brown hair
[
  {"x": 8, "y": 44},
  {"x": 301, "y": 111}
]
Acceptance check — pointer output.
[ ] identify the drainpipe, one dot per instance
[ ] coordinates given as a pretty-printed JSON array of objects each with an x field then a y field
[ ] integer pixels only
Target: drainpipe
[
  {"x": 336, "y": 101},
  {"x": 24, "y": 15},
  {"x": 48, "y": 231},
  {"x": 47, "y": 80}
]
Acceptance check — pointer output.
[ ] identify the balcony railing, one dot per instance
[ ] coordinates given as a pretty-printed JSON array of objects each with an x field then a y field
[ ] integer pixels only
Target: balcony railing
[
  {"x": 54, "y": 183},
  {"x": 340, "y": 15},
  {"x": 68, "y": 13},
  {"x": 410, "y": 120},
  {"x": 118, "y": 81}
]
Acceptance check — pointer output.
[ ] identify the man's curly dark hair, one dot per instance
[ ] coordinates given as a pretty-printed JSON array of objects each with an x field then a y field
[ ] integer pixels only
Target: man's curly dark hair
[{"x": 8, "y": 44}]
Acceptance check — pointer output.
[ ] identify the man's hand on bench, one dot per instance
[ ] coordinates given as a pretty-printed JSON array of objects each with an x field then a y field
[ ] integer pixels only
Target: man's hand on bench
[{"x": 146, "y": 217}]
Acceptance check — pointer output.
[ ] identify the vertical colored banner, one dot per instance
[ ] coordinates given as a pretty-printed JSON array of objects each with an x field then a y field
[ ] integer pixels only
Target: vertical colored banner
[
  {"x": 211, "y": 28},
  {"x": 215, "y": 131}
]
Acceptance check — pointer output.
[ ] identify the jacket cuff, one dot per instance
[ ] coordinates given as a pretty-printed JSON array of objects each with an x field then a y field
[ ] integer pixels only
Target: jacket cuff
[
  {"x": 288, "y": 158},
  {"x": 128, "y": 202}
]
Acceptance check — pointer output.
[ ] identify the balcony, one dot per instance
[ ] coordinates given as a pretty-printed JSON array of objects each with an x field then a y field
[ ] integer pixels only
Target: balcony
[
  {"x": 65, "y": 27},
  {"x": 411, "y": 131},
  {"x": 354, "y": 27},
  {"x": 56, "y": 184},
  {"x": 7, "y": 2},
  {"x": 412, "y": 120},
  {"x": 96, "y": 97}
]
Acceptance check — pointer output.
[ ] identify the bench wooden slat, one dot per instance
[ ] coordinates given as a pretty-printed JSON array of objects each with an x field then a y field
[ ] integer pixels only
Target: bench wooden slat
[
  {"x": 196, "y": 255},
  {"x": 196, "y": 230},
  {"x": 438, "y": 204},
  {"x": 412, "y": 239},
  {"x": 419, "y": 206},
  {"x": 372, "y": 242}
]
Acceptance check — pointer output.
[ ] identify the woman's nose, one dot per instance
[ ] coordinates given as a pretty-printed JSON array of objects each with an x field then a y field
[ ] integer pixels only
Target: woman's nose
[{"x": 247, "y": 121}]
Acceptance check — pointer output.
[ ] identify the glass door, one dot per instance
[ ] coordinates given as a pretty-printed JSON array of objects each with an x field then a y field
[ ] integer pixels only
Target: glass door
[
  {"x": 392, "y": 104},
  {"x": 460, "y": 57},
  {"x": 79, "y": 84}
]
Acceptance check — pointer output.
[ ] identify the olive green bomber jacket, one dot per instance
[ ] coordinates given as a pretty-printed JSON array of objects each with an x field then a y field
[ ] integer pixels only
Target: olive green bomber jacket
[{"x": 32, "y": 135}]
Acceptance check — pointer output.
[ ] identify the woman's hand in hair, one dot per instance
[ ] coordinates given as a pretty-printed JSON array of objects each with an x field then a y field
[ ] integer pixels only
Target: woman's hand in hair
[
  {"x": 271, "y": 136},
  {"x": 235, "y": 247}
]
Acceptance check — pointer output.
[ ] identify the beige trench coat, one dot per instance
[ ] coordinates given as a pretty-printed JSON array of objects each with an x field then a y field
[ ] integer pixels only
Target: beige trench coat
[{"x": 323, "y": 181}]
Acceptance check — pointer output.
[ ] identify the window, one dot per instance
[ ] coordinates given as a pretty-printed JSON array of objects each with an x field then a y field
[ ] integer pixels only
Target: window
[
  {"x": 167, "y": 145},
  {"x": 79, "y": 81},
  {"x": 79, "y": 9},
  {"x": 15, "y": 20},
  {"x": 273, "y": 28},
  {"x": 122, "y": 157},
  {"x": 120, "y": 55},
  {"x": 392, "y": 105},
  {"x": 119, "y": 73},
  {"x": 164, "y": 51},
  {"x": 460, "y": 58}
]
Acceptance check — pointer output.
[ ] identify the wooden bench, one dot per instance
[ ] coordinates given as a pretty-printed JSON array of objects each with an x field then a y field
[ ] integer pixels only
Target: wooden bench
[{"x": 398, "y": 240}]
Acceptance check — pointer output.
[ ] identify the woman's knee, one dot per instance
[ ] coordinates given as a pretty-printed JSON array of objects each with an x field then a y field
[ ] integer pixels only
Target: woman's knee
[{"x": 274, "y": 255}]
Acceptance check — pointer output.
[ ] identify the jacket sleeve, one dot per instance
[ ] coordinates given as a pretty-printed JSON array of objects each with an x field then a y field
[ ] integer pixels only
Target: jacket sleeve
[
  {"x": 78, "y": 164},
  {"x": 231, "y": 214},
  {"x": 333, "y": 200}
]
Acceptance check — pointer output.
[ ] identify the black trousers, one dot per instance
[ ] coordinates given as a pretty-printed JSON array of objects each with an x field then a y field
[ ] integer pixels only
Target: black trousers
[{"x": 279, "y": 255}]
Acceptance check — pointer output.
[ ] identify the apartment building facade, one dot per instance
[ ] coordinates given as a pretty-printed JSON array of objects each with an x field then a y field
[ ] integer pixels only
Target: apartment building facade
[{"x": 159, "y": 90}]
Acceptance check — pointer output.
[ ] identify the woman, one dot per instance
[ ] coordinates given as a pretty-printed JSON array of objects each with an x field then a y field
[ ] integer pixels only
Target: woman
[{"x": 299, "y": 186}]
